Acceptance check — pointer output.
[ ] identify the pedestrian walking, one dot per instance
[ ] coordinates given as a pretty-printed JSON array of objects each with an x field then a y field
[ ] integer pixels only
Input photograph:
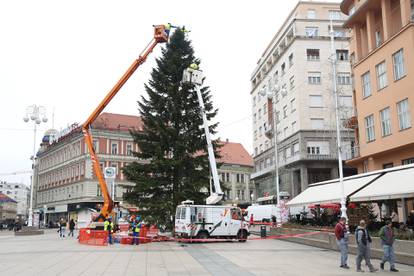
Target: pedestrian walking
[
  {"x": 341, "y": 233},
  {"x": 363, "y": 241},
  {"x": 109, "y": 226},
  {"x": 71, "y": 227},
  {"x": 62, "y": 228},
  {"x": 387, "y": 240}
]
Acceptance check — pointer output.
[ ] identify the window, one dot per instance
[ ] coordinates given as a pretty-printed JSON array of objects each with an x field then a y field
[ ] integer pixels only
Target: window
[
  {"x": 312, "y": 54},
  {"x": 403, "y": 114},
  {"x": 344, "y": 78},
  {"x": 295, "y": 148},
  {"x": 254, "y": 118},
  {"x": 378, "y": 39},
  {"x": 276, "y": 77},
  {"x": 335, "y": 15},
  {"x": 342, "y": 55},
  {"x": 242, "y": 178},
  {"x": 385, "y": 121},
  {"x": 285, "y": 132},
  {"x": 311, "y": 14},
  {"x": 293, "y": 126},
  {"x": 366, "y": 84},
  {"x": 114, "y": 148},
  {"x": 387, "y": 165},
  {"x": 345, "y": 101},
  {"x": 381, "y": 75},
  {"x": 96, "y": 146},
  {"x": 292, "y": 105},
  {"x": 129, "y": 149},
  {"x": 314, "y": 78},
  {"x": 292, "y": 82},
  {"x": 365, "y": 166},
  {"x": 259, "y": 112},
  {"x": 284, "y": 90},
  {"x": 398, "y": 62},
  {"x": 315, "y": 100},
  {"x": 265, "y": 108},
  {"x": 285, "y": 111},
  {"x": 290, "y": 60},
  {"x": 288, "y": 152},
  {"x": 339, "y": 32},
  {"x": 317, "y": 123},
  {"x": 317, "y": 147},
  {"x": 369, "y": 128},
  {"x": 260, "y": 131},
  {"x": 277, "y": 116},
  {"x": 282, "y": 68},
  {"x": 407, "y": 161},
  {"x": 311, "y": 31},
  {"x": 227, "y": 177},
  {"x": 254, "y": 101},
  {"x": 255, "y": 135}
]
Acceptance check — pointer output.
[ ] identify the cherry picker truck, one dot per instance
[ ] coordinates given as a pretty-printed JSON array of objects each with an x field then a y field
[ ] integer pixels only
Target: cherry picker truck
[
  {"x": 160, "y": 36},
  {"x": 210, "y": 221}
]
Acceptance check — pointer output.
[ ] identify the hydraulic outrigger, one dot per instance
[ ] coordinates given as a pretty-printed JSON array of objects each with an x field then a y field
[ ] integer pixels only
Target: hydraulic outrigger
[{"x": 160, "y": 36}]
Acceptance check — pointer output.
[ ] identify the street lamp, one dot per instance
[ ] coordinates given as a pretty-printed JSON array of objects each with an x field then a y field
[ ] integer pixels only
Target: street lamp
[
  {"x": 338, "y": 131},
  {"x": 36, "y": 114}
]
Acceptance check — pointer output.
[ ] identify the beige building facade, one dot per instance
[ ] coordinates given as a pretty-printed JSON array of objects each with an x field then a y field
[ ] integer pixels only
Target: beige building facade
[
  {"x": 296, "y": 71},
  {"x": 382, "y": 55}
]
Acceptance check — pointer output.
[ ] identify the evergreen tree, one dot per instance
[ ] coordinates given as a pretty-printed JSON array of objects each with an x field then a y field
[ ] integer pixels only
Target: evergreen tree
[{"x": 172, "y": 142}]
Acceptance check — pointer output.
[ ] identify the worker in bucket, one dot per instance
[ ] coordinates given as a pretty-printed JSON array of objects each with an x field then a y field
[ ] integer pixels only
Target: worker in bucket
[
  {"x": 136, "y": 229},
  {"x": 109, "y": 227},
  {"x": 167, "y": 28}
]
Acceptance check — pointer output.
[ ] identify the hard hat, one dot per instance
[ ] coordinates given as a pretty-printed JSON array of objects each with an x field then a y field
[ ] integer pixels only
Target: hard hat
[{"x": 194, "y": 66}]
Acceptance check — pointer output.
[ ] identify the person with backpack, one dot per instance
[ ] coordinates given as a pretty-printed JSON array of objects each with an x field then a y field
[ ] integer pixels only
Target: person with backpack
[
  {"x": 363, "y": 241},
  {"x": 387, "y": 240}
]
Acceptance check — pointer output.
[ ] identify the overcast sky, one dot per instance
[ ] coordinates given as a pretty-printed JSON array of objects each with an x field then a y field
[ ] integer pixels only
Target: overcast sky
[{"x": 66, "y": 55}]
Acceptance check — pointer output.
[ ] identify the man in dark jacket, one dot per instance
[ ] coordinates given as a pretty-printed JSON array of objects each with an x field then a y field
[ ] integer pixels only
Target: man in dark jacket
[
  {"x": 363, "y": 240},
  {"x": 387, "y": 240},
  {"x": 71, "y": 227},
  {"x": 341, "y": 234}
]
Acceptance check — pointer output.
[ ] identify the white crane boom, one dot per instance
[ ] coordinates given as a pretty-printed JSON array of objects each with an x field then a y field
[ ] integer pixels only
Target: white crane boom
[{"x": 195, "y": 76}]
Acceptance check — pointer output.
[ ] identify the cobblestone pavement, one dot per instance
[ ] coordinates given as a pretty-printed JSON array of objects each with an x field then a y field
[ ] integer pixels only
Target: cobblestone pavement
[{"x": 50, "y": 255}]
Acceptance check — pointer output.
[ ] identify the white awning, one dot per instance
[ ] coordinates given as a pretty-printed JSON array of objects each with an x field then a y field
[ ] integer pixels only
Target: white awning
[
  {"x": 330, "y": 191},
  {"x": 394, "y": 184}
]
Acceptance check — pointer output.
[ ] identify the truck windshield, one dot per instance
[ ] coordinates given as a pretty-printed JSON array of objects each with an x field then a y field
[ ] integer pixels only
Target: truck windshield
[{"x": 178, "y": 213}]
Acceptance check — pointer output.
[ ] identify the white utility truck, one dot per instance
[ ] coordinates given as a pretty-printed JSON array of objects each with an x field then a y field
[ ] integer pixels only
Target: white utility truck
[
  {"x": 208, "y": 221},
  {"x": 263, "y": 213}
]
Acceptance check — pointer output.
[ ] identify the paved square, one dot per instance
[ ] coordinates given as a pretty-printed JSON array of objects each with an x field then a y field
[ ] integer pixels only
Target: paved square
[{"x": 50, "y": 255}]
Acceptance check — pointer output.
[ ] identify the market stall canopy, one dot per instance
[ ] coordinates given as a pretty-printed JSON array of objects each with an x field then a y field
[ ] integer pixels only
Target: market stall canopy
[
  {"x": 330, "y": 191},
  {"x": 395, "y": 183}
]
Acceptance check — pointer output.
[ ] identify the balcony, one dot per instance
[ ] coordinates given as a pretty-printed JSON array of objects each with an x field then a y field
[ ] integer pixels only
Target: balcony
[
  {"x": 268, "y": 131},
  {"x": 262, "y": 172}
]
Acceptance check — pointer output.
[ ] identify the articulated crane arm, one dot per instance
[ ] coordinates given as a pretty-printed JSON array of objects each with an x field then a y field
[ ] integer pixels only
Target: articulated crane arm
[{"x": 160, "y": 36}]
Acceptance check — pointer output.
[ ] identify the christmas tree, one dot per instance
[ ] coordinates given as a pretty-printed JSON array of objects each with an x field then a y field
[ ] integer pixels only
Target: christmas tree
[{"x": 172, "y": 143}]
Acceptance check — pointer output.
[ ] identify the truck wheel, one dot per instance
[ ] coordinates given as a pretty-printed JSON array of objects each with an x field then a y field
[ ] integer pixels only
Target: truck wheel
[
  {"x": 202, "y": 235},
  {"x": 242, "y": 236}
]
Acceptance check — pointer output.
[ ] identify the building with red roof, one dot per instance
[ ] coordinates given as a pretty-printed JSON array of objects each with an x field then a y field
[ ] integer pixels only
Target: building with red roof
[{"x": 65, "y": 182}]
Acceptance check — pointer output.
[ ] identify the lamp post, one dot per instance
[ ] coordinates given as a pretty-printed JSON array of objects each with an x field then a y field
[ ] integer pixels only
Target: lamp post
[
  {"x": 36, "y": 114},
  {"x": 338, "y": 131},
  {"x": 272, "y": 96}
]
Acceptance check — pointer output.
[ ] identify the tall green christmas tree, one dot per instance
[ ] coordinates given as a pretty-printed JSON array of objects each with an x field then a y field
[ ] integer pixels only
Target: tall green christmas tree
[{"x": 172, "y": 142}]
